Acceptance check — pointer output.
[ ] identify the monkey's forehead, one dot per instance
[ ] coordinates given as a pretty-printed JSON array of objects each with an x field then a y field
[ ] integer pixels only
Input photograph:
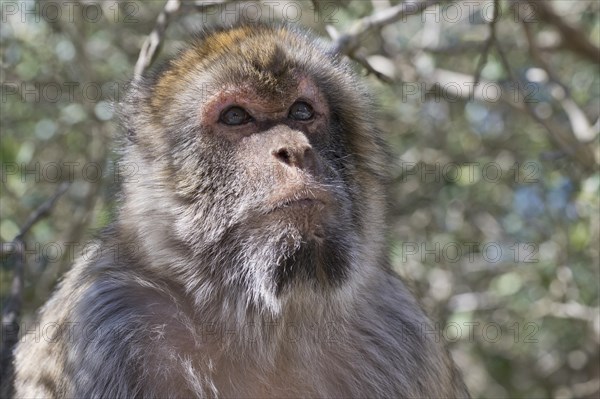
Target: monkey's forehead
[
  {"x": 272, "y": 59},
  {"x": 256, "y": 46}
]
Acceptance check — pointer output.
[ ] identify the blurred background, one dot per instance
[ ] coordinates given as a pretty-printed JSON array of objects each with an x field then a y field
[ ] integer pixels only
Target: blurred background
[{"x": 492, "y": 112}]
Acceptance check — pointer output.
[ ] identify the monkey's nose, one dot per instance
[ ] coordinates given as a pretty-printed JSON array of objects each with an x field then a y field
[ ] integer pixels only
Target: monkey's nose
[{"x": 301, "y": 157}]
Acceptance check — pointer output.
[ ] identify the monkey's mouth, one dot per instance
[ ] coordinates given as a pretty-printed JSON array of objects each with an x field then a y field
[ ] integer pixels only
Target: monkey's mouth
[
  {"x": 302, "y": 200},
  {"x": 300, "y": 203}
]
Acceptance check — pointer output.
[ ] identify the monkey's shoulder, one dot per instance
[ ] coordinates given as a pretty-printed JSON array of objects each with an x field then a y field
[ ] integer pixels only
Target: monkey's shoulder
[{"x": 104, "y": 315}]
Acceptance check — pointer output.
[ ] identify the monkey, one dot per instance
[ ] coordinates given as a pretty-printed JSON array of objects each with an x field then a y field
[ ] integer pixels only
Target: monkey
[{"x": 252, "y": 257}]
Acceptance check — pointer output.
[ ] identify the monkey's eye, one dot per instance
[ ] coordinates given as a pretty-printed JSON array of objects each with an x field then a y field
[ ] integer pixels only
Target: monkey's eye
[
  {"x": 301, "y": 111},
  {"x": 234, "y": 116}
]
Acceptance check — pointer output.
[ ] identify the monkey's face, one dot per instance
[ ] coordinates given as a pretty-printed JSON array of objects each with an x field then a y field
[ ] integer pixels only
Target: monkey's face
[
  {"x": 260, "y": 133},
  {"x": 276, "y": 141}
]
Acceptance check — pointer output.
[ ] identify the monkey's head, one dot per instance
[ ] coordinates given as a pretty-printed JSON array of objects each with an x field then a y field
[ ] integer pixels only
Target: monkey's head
[{"x": 259, "y": 163}]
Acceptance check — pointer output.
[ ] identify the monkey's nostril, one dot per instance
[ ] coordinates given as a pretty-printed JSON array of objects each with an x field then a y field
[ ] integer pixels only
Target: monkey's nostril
[
  {"x": 283, "y": 155},
  {"x": 299, "y": 157}
]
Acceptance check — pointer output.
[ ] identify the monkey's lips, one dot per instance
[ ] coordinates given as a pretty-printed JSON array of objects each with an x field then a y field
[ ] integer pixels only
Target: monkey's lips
[
  {"x": 300, "y": 203},
  {"x": 307, "y": 213},
  {"x": 304, "y": 200}
]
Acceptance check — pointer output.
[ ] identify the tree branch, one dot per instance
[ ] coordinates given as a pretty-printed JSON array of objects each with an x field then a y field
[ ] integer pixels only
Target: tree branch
[
  {"x": 581, "y": 127},
  {"x": 43, "y": 210},
  {"x": 154, "y": 39},
  {"x": 348, "y": 42},
  {"x": 573, "y": 39},
  {"x": 450, "y": 83},
  {"x": 12, "y": 306},
  {"x": 564, "y": 139},
  {"x": 489, "y": 43}
]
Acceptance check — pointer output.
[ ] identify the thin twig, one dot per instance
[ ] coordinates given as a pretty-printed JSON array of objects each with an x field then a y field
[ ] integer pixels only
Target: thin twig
[
  {"x": 154, "y": 39},
  {"x": 43, "y": 210},
  {"x": 362, "y": 59},
  {"x": 489, "y": 43}
]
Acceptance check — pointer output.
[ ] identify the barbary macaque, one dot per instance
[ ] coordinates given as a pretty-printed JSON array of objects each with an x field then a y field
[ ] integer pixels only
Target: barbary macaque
[{"x": 256, "y": 261}]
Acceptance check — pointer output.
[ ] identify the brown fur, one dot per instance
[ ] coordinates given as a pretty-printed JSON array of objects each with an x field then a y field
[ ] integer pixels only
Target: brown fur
[{"x": 256, "y": 263}]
